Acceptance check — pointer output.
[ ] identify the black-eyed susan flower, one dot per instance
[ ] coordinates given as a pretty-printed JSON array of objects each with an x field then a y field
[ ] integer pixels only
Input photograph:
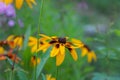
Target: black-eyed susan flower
[
  {"x": 19, "y": 3},
  {"x": 35, "y": 43},
  {"x": 10, "y": 55},
  {"x": 49, "y": 77},
  {"x": 59, "y": 44},
  {"x": 35, "y": 61},
  {"x": 15, "y": 41},
  {"x": 85, "y": 50}
]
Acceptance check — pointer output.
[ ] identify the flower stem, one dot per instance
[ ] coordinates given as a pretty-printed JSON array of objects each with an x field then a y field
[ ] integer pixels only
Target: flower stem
[
  {"x": 57, "y": 73},
  {"x": 11, "y": 75},
  {"x": 38, "y": 32}
]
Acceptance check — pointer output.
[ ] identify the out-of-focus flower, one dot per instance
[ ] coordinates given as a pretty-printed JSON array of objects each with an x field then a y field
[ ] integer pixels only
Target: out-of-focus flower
[
  {"x": 10, "y": 11},
  {"x": 19, "y": 3},
  {"x": 7, "y": 14},
  {"x": 17, "y": 41},
  {"x": 2, "y": 8},
  {"x": 49, "y": 77},
  {"x": 35, "y": 44},
  {"x": 59, "y": 44},
  {"x": 10, "y": 55},
  {"x": 11, "y": 23},
  {"x": 35, "y": 61},
  {"x": 85, "y": 50}
]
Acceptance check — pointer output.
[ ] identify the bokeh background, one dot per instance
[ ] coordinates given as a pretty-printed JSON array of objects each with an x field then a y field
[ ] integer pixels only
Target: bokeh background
[{"x": 95, "y": 22}]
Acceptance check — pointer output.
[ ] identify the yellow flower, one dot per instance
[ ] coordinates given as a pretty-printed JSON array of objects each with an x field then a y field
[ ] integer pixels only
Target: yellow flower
[
  {"x": 1, "y": 50},
  {"x": 10, "y": 55},
  {"x": 48, "y": 77},
  {"x": 33, "y": 43},
  {"x": 85, "y": 50},
  {"x": 17, "y": 41},
  {"x": 19, "y": 3},
  {"x": 33, "y": 61},
  {"x": 59, "y": 44}
]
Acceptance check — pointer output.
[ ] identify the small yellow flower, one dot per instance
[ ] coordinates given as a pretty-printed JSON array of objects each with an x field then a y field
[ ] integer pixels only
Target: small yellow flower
[
  {"x": 10, "y": 55},
  {"x": 35, "y": 44},
  {"x": 59, "y": 44},
  {"x": 17, "y": 41},
  {"x": 48, "y": 77},
  {"x": 34, "y": 60},
  {"x": 19, "y": 3},
  {"x": 85, "y": 50}
]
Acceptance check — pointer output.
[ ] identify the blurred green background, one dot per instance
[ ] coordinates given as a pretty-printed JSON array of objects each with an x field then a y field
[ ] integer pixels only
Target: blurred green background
[{"x": 95, "y": 22}]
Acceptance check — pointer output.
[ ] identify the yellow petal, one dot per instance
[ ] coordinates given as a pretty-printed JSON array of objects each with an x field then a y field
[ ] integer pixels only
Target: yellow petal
[
  {"x": 32, "y": 41},
  {"x": 84, "y": 51},
  {"x": 54, "y": 51},
  {"x": 10, "y": 38},
  {"x": 1, "y": 50},
  {"x": 94, "y": 56},
  {"x": 29, "y": 3},
  {"x": 47, "y": 37},
  {"x": 1, "y": 0},
  {"x": 33, "y": 1},
  {"x": 33, "y": 61},
  {"x": 89, "y": 57},
  {"x": 77, "y": 42},
  {"x": 48, "y": 76},
  {"x": 8, "y": 1},
  {"x": 62, "y": 49},
  {"x": 42, "y": 47},
  {"x": 19, "y": 3},
  {"x": 34, "y": 48},
  {"x": 18, "y": 41},
  {"x": 53, "y": 79},
  {"x": 74, "y": 54},
  {"x": 59, "y": 59}
]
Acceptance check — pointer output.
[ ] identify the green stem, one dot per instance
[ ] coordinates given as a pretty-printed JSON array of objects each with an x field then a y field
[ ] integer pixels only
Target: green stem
[
  {"x": 11, "y": 75},
  {"x": 57, "y": 73},
  {"x": 38, "y": 32}
]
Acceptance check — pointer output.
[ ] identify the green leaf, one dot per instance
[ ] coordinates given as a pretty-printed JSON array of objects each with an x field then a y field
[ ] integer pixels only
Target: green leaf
[
  {"x": 43, "y": 77},
  {"x": 42, "y": 62},
  {"x": 27, "y": 34},
  {"x": 21, "y": 75}
]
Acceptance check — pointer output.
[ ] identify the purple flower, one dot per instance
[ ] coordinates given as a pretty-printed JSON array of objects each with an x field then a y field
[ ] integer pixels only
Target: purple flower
[
  {"x": 11, "y": 23},
  {"x": 2, "y": 8},
  {"x": 10, "y": 11}
]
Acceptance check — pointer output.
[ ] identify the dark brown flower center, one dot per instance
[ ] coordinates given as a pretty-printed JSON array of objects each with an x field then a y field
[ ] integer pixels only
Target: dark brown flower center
[
  {"x": 62, "y": 40},
  {"x": 87, "y": 47}
]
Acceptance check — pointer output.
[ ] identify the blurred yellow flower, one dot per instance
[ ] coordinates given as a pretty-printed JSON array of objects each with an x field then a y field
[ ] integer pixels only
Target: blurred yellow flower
[
  {"x": 35, "y": 44},
  {"x": 48, "y": 77},
  {"x": 1, "y": 50},
  {"x": 85, "y": 50},
  {"x": 17, "y": 41},
  {"x": 10, "y": 55},
  {"x": 35, "y": 61},
  {"x": 59, "y": 44},
  {"x": 19, "y": 3}
]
